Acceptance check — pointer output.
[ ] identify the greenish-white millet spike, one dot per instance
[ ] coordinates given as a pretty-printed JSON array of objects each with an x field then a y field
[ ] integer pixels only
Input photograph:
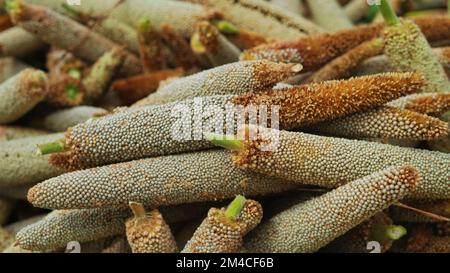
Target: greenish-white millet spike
[
  {"x": 61, "y": 120},
  {"x": 144, "y": 132},
  {"x": 62, "y": 226},
  {"x": 438, "y": 207},
  {"x": 65, "y": 33},
  {"x": 381, "y": 64},
  {"x": 379, "y": 228},
  {"x": 21, "y": 93},
  {"x": 308, "y": 226},
  {"x": 16, "y": 132},
  {"x": 10, "y": 67},
  {"x": 118, "y": 32},
  {"x": 185, "y": 178},
  {"x": 356, "y": 9},
  {"x": 17, "y": 42},
  {"x": 19, "y": 163},
  {"x": 263, "y": 18},
  {"x": 384, "y": 122},
  {"x": 330, "y": 162},
  {"x": 16, "y": 192},
  {"x": 97, "y": 81},
  {"x": 408, "y": 50},
  {"x": 6, "y": 239},
  {"x": 329, "y": 15},
  {"x": 149, "y": 232},
  {"x": 235, "y": 78},
  {"x": 6, "y": 207},
  {"x": 207, "y": 41}
]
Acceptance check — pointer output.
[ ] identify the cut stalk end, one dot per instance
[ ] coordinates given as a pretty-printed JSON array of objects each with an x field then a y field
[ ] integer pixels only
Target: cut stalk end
[
  {"x": 75, "y": 73},
  {"x": 52, "y": 147},
  {"x": 225, "y": 27},
  {"x": 388, "y": 13},
  {"x": 196, "y": 44},
  {"x": 235, "y": 207},
  {"x": 225, "y": 141},
  {"x": 144, "y": 25},
  {"x": 72, "y": 91},
  {"x": 137, "y": 209},
  {"x": 394, "y": 232}
]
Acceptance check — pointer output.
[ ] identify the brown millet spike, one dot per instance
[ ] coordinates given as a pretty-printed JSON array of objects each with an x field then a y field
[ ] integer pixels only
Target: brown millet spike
[
  {"x": 384, "y": 122},
  {"x": 307, "y": 104},
  {"x": 342, "y": 66},
  {"x": 316, "y": 50},
  {"x": 137, "y": 87},
  {"x": 431, "y": 104},
  {"x": 149, "y": 233}
]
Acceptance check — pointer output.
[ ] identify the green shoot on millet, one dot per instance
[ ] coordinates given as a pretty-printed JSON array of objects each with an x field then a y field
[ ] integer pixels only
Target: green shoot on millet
[
  {"x": 388, "y": 13},
  {"x": 52, "y": 147},
  {"x": 71, "y": 91},
  {"x": 225, "y": 141},
  {"x": 395, "y": 232},
  {"x": 225, "y": 27},
  {"x": 234, "y": 209},
  {"x": 74, "y": 73}
]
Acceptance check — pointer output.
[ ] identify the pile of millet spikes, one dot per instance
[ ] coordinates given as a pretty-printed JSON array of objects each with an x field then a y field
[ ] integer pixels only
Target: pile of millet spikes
[{"x": 90, "y": 94}]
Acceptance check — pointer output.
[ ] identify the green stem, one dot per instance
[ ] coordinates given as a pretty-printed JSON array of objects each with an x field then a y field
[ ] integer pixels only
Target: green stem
[
  {"x": 225, "y": 27},
  {"x": 372, "y": 13},
  {"x": 235, "y": 207},
  {"x": 13, "y": 7},
  {"x": 144, "y": 25},
  {"x": 137, "y": 209},
  {"x": 52, "y": 147},
  {"x": 394, "y": 232},
  {"x": 224, "y": 141},
  {"x": 72, "y": 91},
  {"x": 388, "y": 13},
  {"x": 74, "y": 73}
]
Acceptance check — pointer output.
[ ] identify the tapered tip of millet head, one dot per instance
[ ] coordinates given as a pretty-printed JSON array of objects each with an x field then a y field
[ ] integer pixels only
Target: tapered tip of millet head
[
  {"x": 409, "y": 175},
  {"x": 225, "y": 141},
  {"x": 388, "y": 13},
  {"x": 395, "y": 232},
  {"x": 235, "y": 207},
  {"x": 137, "y": 209}
]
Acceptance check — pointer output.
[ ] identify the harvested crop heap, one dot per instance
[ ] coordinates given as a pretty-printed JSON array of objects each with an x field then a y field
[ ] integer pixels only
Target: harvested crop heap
[{"x": 213, "y": 126}]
